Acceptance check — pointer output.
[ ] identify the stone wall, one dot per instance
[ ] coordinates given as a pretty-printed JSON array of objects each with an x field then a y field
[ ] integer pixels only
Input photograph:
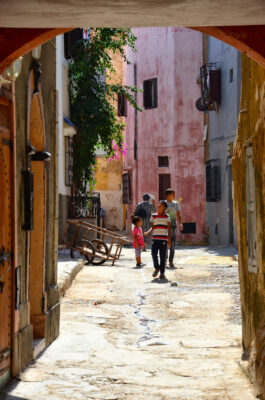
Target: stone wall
[{"x": 251, "y": 129}]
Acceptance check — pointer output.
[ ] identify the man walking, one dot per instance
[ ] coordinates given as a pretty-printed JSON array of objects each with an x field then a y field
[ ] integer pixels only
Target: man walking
[
  {"x": 173, "y": 210},
  {"x": 144, "y": 210}
]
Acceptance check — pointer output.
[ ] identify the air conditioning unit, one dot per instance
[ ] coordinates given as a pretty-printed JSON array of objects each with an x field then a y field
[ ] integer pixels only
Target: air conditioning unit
[{"x": 213, "y": 180}]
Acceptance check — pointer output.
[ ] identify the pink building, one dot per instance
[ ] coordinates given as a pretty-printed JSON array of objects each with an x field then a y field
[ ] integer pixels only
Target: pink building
[{"x": 166, "y": 147}]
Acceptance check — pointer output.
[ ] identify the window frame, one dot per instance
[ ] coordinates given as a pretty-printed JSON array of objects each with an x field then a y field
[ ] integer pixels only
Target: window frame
[
  {"x": 160, "y": 162},
  {"x": 150, "y": 100},
  {"x": 121, "y": 105}
]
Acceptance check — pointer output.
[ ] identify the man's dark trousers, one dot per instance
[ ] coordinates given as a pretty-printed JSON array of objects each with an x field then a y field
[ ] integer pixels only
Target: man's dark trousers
[
  {"x": 161, "y": 247},
  {"x": 173, "y": 244}
]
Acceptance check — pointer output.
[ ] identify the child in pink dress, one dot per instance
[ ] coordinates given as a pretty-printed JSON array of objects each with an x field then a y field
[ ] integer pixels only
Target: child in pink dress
[{"x": 138, "y": 238}]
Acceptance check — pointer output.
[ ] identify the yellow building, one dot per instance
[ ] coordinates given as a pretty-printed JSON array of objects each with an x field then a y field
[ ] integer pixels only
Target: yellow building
[
  {"x": 249, "y": 196},
  {"x": 108, "y": 174}
]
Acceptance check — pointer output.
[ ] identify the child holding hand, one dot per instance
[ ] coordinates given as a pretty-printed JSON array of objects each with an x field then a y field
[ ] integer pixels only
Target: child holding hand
[{"x": 138, "y": 238}]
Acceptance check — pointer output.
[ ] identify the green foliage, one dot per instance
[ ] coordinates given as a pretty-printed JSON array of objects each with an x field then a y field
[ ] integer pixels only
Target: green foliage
[{"x": 91, "y": 97}]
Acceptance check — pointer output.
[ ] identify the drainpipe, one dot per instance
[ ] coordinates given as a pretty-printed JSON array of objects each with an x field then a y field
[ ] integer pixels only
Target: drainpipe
[
  {"x": 135, "y": 136},
  {"x": 15, "y": 313}
]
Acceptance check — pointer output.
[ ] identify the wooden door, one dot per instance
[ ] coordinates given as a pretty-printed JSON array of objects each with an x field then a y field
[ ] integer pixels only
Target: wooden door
[
  {"x": 164, "y": 184},
  {"x": 5, "y": 235}
]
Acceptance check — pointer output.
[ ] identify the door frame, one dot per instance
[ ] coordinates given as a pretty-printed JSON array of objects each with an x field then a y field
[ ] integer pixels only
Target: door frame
[{"x": 7, "y": 98}]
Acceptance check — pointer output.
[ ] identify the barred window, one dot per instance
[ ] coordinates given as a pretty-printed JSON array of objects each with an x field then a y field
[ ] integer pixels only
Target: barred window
[
  {"x": 213, "y": 180},
  {"x": 68, "y": 161},
  {"x": 127, "y": 188}
]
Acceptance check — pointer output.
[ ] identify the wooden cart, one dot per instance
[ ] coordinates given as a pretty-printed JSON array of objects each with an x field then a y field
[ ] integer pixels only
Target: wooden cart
[{"x": 95, "y": 243}]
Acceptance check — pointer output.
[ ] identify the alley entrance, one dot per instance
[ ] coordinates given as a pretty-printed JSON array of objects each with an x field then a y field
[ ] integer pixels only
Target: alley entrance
[{"x": 125, "y": 336}]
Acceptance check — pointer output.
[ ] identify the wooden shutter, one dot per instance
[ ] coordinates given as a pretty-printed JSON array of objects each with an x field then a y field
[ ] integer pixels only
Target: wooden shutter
[
  {"x": 154, "y": 95},
  {"x": 147, "y": 95},
  {"x": 251, "y": 211},
  {"x": 126, "y": 188}
]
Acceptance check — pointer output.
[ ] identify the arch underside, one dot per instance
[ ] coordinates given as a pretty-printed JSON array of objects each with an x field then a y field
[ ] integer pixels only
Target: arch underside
[{"x": 15, "y": 42}]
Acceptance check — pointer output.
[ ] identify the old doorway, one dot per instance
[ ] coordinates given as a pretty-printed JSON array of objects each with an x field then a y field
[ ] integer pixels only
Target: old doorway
[{"x": 164, "y": 184}]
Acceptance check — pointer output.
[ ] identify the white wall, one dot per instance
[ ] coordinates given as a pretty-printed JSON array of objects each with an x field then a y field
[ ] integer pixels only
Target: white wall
[{"x": 63, "y": 110}]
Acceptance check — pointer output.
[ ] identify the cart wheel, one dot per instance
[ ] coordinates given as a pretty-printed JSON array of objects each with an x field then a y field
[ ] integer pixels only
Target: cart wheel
[
  {"x": 77, "y": 212},
  {"x": 102, "y": 249},
  {"x": 85, "y": 248}
]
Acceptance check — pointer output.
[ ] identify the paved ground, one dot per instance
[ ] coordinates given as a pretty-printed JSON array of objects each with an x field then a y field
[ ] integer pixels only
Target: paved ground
[{"x": 127, "y": 336}]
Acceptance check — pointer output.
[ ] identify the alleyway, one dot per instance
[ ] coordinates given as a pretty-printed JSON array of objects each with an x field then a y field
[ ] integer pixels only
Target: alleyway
[{"x": 126, "y": 336}]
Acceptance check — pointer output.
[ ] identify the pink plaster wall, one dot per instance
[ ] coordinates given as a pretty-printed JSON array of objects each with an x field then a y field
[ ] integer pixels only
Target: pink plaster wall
[{"x": 175, "y": 128}]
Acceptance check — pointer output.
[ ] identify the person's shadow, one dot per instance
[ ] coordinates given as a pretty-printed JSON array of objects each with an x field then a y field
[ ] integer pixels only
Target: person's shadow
[{"x": 160, "y": 281}]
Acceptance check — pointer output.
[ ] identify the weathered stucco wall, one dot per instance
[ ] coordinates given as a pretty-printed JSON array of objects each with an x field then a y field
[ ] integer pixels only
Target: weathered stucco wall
[
  {"x": 109, "y": 178},
  {"x": 222, "y": 127},
  {"x": 175, "y": 127},
  {"x": 108, "y": 174},
  {"x": 251, "y": 129}
]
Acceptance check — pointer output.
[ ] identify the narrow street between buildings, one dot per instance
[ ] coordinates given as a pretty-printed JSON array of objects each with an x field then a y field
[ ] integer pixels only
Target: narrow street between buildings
[{"x": 128, "y": 336}]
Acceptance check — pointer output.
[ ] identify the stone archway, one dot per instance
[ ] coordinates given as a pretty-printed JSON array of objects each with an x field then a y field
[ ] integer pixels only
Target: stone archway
[{"x": 17, "y": 42}]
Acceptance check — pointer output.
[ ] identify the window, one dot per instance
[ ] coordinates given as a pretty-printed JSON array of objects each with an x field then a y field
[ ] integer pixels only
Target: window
[
  {"x": 68, "y": 161},
  {"x": 251, "y": 211},
  {"x": 150, "y": 93},
  {"x": 70, "y": 40},
  {"x": 122, "y": 106},
  {"x": 127, "y": 188},
  {"x": 213, "y": 180},
  {"x": 231, "y": 75},
  {"x": 163, "y": 161},
  {"x": 189, "y": 227}
]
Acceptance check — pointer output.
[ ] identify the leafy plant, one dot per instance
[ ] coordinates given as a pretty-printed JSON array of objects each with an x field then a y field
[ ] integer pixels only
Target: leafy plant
[{"x": 92, "y": 96}]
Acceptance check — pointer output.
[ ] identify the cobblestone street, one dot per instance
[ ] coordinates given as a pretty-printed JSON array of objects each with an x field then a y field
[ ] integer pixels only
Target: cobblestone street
[{"x": 128, "y": 336}]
